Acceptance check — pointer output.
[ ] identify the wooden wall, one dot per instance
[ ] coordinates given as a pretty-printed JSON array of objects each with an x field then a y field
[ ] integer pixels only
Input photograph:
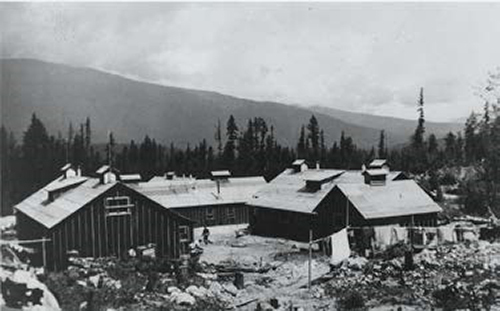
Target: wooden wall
[
  {"x": 329, "y": 217},
  {"x": 93, "y": 234},
  {"x": 220, "y": 214},
  {"x": 280, "y": 224}
]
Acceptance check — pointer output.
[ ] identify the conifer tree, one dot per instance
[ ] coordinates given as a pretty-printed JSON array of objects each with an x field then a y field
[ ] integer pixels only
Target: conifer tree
[
  {"x": 470, "y": 139},
  {"x": 301, "y": 145},
  {"x": 229, "y": 154},
  {"x": 382, "y": 152},
  {"x": 313, "y": 137}
]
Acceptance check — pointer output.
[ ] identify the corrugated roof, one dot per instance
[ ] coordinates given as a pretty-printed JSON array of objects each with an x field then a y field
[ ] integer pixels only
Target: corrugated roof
[
  {"x": 287, "y": 190},
  {"x": 394, "y": 199},
  {"x": 202, "y": 192},
  {"x": 50, "y": 213}
]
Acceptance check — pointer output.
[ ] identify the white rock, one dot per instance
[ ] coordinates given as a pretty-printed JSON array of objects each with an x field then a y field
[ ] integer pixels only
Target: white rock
[
  {"x": 356, "y": 263},
  {"x": 173, "y": 289},
  {"x": 208, "y": 276},
  {"x": 199, "y": 292},
  {"x": 181, "y": 298},
  {"x": 95, "y": 280},
  {"x": 215, "y": 288},
  {"x": 230, "y": 288}
]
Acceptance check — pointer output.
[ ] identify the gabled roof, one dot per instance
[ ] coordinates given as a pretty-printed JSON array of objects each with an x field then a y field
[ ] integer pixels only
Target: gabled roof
[
  {"x": 299, "y": 162},
  {"x": 398, "y": 198},
  {"x": 322, "y": 175},
  {"x": 378, "y": 163},
  {"x": 224, "y": 173},
  {"x": 65, "y": 183},
  {"x": 185, "y": 192},
  {"x": 130, "y": 178},
  {"x": 105, "y": 168},
  {"x": 50, "y": 213},
  {"x": 66, "y": 167},
  {"x": 287, "y": 191},
  {"x": 376, "y": 171}
]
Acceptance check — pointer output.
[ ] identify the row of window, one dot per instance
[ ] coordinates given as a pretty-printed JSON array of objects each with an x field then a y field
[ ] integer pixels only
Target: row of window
[
  {"x": 230, "y": 214},
  {"x": 118, "y": 206}
]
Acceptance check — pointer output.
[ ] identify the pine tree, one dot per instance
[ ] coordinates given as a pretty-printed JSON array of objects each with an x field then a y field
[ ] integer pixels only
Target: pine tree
[
  {"x": 450, "y": 148},
  {"x": 470, "y": 139},
  {"x": 301, "y": 145},
  {"x": 313, "y": 137},
  {"x": 218, "y": 138},
  {"x": 35, "y": 154},
  {"x": 432, "y": 150},
  {"x": 416, "y": 156},
  {"x": 229, "y": 154},
  {"x": 382, "y": 152},
  {"x": 110, "y": 149}
]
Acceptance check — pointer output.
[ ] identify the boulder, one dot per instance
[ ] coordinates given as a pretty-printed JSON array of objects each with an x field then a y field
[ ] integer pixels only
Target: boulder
[
  {"x": 183, "y": 299},
  {"x": 173, "y": 289},
  {"x": 356, "y": 263},
  {"x": 199, "y": 292}
]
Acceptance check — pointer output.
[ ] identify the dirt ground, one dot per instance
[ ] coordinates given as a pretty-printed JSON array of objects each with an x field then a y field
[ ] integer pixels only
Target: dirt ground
[
  {"x": 452, "y": 276},
  {"x": 283, "y": 267}
]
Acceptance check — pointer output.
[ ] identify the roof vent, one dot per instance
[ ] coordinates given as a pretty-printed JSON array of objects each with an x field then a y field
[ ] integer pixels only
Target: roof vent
[
  {"x": 220, "y": 176},
  {"x": 130, "y": 178},
  {"x": 170, "y": 175},
  {"x": 315, "y": 179},
  {"x": 375, "y": 177},
  {"x": 299, "y": 165},
  {"x": 69, "y": 171},
  {"x": 107, "y": 174},
  {"x": 379, "y": 164}
]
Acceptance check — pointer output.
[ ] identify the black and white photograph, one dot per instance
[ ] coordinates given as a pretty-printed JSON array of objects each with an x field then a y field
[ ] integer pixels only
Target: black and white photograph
[{"x": 251, "y": 156}]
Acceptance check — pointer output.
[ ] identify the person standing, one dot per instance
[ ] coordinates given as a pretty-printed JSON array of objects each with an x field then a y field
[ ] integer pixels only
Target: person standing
[{"x": 206, "y": 235}]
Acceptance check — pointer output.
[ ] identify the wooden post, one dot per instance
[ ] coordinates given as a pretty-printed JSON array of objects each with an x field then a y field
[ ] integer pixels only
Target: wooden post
[
  {"x": 310, "y": 259},
  {"x": 44, "y": 257},
  {"x": 346, "y": 212}
]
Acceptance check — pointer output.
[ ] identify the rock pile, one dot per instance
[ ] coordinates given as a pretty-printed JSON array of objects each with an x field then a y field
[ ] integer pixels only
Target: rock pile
[{"x": 464, "y": 275}]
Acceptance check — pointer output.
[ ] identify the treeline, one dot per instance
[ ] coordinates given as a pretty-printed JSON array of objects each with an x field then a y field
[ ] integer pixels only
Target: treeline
[
  {"x": 251, "y": 149},
  {"x": 31, "y": 163}
]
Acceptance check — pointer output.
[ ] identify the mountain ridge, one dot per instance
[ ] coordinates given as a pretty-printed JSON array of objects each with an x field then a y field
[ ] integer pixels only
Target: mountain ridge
[{"x": 131, "y": 108}]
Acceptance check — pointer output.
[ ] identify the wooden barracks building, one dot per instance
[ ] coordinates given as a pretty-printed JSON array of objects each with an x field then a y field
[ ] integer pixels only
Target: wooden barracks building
[
  {"x": 323, "y": 201},
  {"x": 220, "y": 200},
  {"x": 97, "y": 217}
]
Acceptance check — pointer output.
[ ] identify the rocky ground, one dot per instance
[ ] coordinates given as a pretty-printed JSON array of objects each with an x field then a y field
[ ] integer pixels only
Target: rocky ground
[{"x": 273, "y": 275}]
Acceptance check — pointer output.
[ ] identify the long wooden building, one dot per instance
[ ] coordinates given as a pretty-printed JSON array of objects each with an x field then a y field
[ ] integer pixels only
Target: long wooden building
[
  {"x": 97, "y": 217},
  {"x": 221, "y": 200},
  {"x": 323, "y": 201}
]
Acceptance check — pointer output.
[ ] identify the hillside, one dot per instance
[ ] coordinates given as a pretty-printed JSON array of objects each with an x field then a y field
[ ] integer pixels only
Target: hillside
[
  {"x": 396, "y": 127},
  {"x": 131, "y": 109}
]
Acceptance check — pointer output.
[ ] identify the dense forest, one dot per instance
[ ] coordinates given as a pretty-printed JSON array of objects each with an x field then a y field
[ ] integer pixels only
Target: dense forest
[{"x": 252, "y": 149}]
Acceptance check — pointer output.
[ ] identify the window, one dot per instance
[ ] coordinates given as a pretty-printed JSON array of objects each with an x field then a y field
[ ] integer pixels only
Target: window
[
  {"x": 231, "y": 215},
  {"x": 118, "y": 206},
  {"x": 184, "y": 234},
  {"x": 210, "y": 213}
]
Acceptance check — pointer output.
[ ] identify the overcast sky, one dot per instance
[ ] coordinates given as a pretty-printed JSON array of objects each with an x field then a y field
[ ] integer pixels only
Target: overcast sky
[{"x": 364, "y": 57}]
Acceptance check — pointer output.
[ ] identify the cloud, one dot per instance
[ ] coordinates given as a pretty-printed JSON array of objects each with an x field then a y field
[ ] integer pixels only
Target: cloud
[{"x": 365, "y": 57}]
